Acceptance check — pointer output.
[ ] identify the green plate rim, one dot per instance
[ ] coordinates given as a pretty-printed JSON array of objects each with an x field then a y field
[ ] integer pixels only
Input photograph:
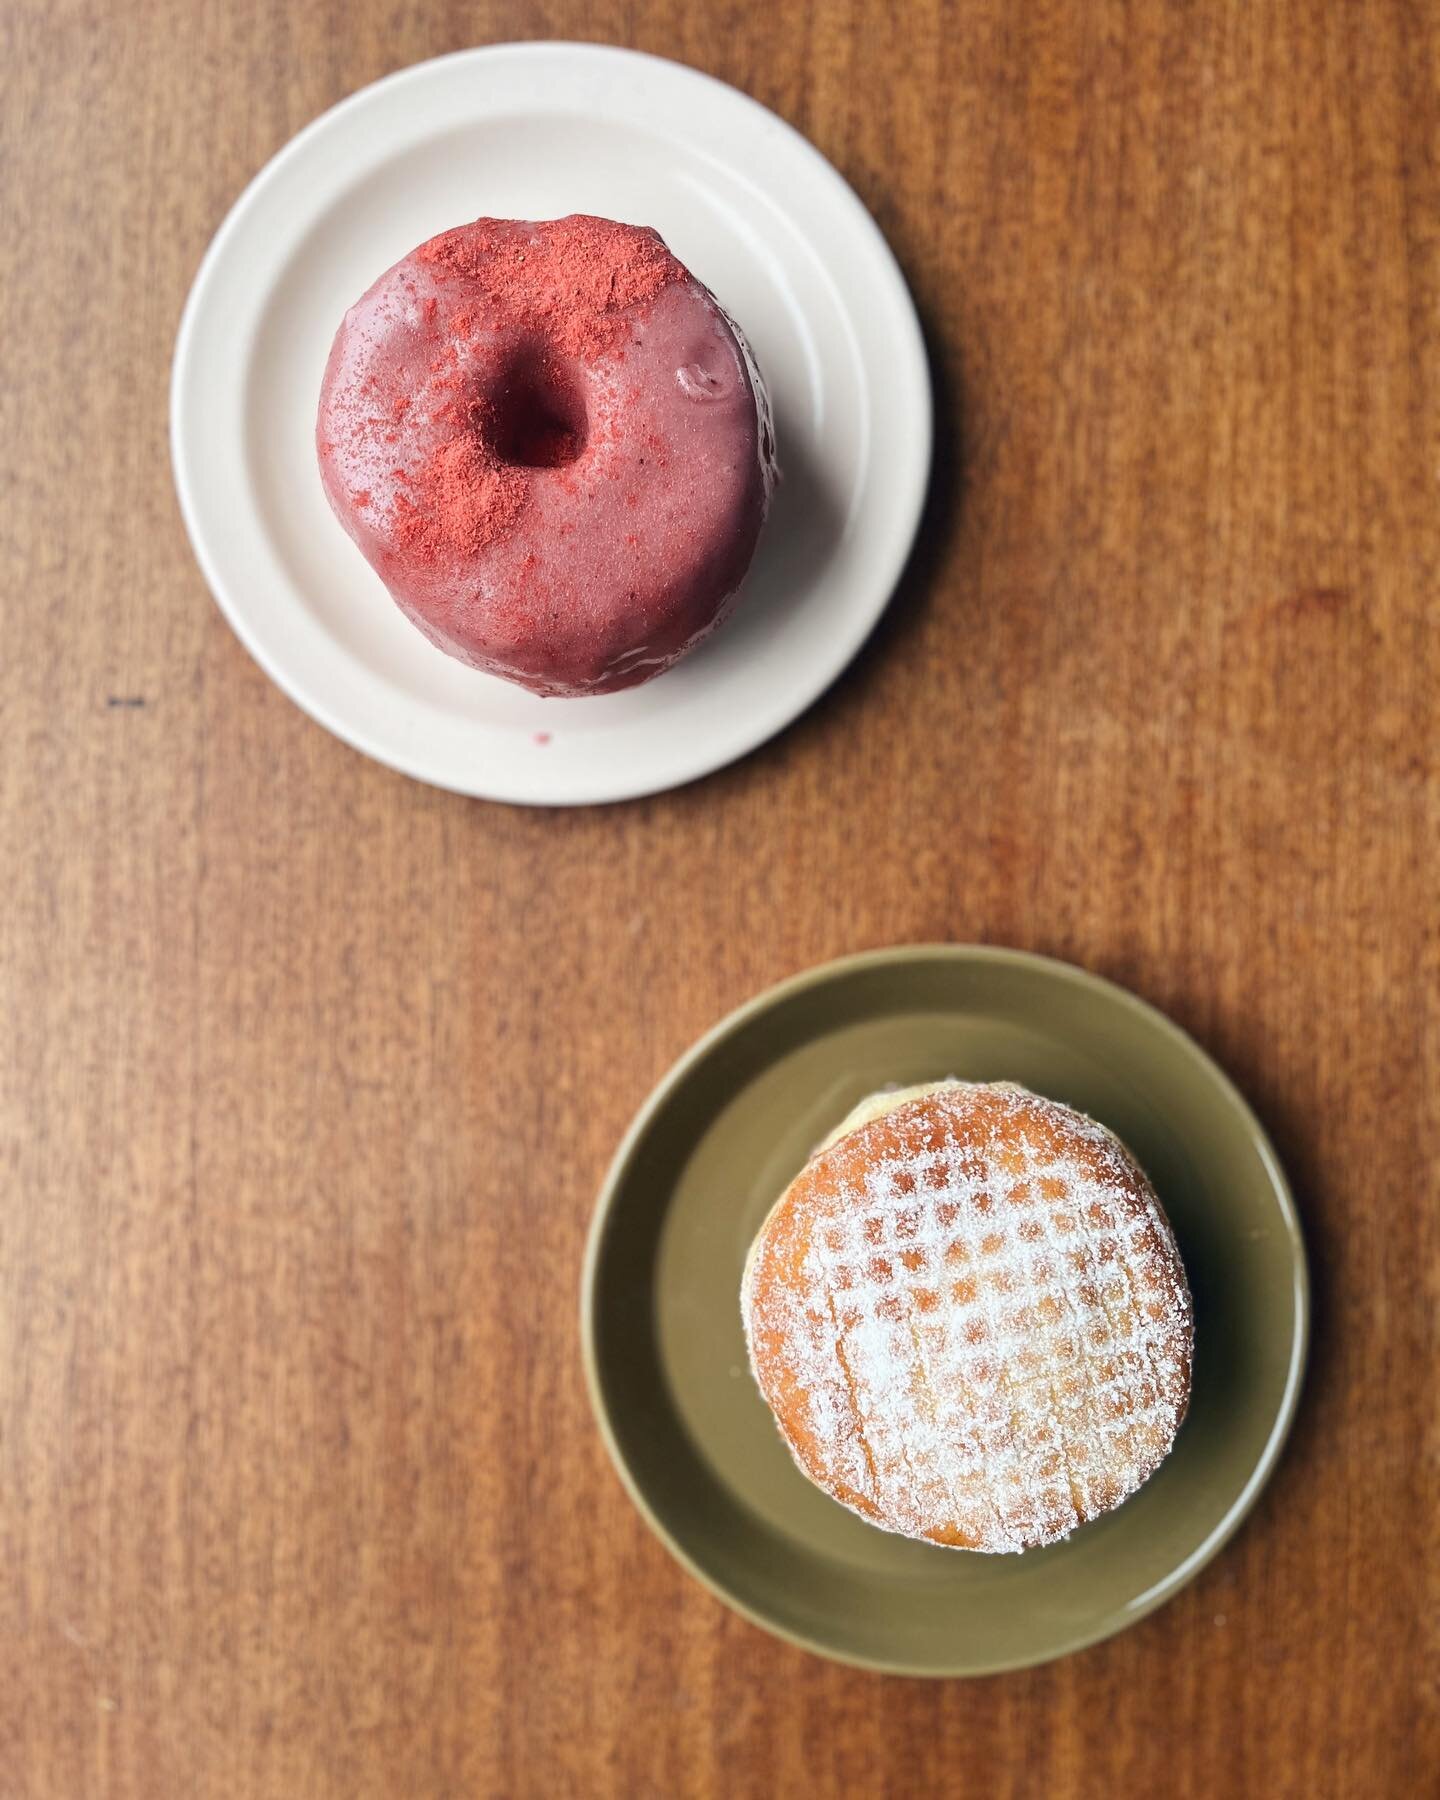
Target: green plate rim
[{"x": 820, "y": 975}]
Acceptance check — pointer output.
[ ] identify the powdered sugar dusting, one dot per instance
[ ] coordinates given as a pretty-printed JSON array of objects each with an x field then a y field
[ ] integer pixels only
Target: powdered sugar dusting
[{"x": 971, "y": 1319}]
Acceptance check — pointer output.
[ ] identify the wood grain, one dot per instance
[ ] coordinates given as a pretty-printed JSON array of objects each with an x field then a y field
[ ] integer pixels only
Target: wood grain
[{"x": 309, "y": 1073}]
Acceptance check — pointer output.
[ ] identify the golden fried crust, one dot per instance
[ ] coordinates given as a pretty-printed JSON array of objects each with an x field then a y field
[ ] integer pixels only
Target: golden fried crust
[{"x": 970, "y": 1320}]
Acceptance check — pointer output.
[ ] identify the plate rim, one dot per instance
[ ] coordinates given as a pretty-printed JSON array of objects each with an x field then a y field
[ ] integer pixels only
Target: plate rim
[
  {"x": 821, "y": 974},
  {"x": 910, "y": 351}
]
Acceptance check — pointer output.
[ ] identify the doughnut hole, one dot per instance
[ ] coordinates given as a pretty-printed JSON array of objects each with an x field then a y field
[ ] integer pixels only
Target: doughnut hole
[{"x": 537, "y": 417}]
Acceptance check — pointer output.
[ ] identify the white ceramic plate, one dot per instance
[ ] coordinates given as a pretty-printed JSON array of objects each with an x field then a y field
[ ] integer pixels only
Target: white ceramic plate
[{"x": 535, "y": 131}]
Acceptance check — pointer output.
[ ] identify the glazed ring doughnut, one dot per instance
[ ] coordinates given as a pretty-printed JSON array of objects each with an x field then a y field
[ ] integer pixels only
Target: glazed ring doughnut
[
  {"x": 970, "y": 1319},
  {"x": 553, "y": 446}
]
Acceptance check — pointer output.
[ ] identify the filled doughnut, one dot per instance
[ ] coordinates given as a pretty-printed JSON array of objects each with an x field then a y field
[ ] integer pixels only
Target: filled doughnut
[
  {"x": 969, "y": 1317},
  {"x": 553, "y": 446}
]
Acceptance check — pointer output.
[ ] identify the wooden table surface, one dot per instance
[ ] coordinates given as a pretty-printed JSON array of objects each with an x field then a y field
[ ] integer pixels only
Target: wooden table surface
[{"x": 310, "y": 1073}]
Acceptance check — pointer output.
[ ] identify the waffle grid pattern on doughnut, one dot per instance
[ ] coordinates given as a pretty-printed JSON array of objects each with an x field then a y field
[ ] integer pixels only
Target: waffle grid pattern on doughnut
[{"x": 971, "y": 1320}]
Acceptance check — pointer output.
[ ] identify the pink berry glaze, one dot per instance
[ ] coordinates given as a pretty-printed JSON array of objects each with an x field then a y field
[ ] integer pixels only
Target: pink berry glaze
[{"x": 554, "y": 448}]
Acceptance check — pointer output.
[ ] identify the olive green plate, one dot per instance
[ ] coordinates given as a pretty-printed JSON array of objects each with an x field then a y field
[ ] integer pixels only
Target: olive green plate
[{"x": 712, "y": 1149}]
